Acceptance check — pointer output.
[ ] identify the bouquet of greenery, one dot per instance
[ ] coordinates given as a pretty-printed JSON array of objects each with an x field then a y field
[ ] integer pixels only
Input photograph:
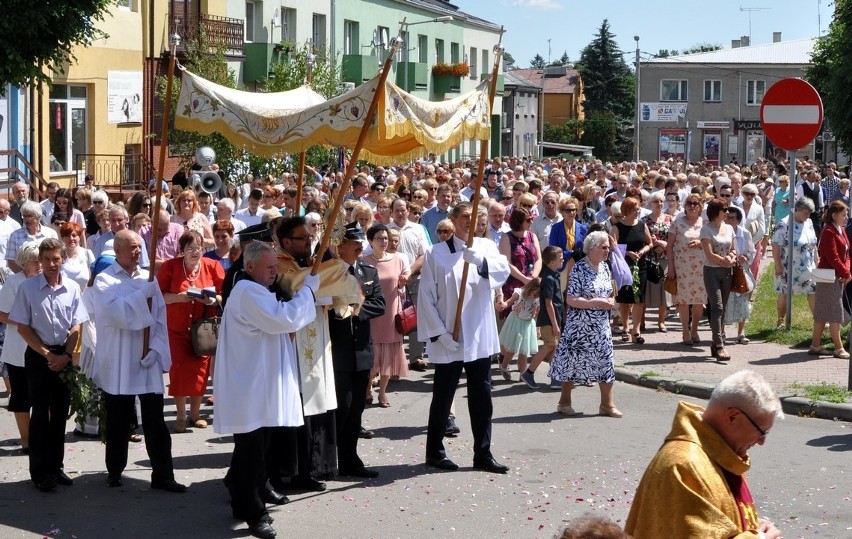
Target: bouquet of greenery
[{"x": 86, "y": 399}]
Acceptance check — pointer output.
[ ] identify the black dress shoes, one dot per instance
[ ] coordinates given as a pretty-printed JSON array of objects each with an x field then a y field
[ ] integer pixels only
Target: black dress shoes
[
  {"x": 363, "y": 471},
  {"x": 273, "y": 497},
  {"x": 45, "y": 485},
  {"x": 115, "y": 482},
  {"x": 366, "y": 434},
  {"x": 452, "y": 429},
  {"x": 261, "y": 529},
  {"x": 442, "y": 464},
  {"x": 62, "y": 478},
  {"x": 170, "y": 485},
  {"x": 308, "y": 483},
  {"x": 490, "y": 465}
]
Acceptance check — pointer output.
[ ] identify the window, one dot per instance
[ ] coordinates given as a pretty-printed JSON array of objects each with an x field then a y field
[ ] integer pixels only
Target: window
[
  {"x": 318, "y": 32},
  {"x": 288, "y": 24},
  {"x": 249, "y": 22},
  {"x": 754, "y": 92},
  {"x": 382, "y": 40},
  {"x": 125, "y": 5},
  {"x": 67, "y": 126},
  {"x": 486, "y": 67},
  {"x": 454, "y": 53},
  {"x": 422, "y": 49},
  {"x": 673, "y": 90},
  {"x": 350, "y": 37},
  {"x": 439, "y": 51},
  {"x": 712, "y": 90},
  {"x": 472, "y": 62}
]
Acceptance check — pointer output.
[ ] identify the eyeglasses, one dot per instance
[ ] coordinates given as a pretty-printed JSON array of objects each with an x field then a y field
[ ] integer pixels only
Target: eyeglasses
[
  {"x": 97, "y": 202},
  {"x": 569, "y": 210},
  {"x": 726, "y": 196},
  {"x": 693, "y": 204},
  {"x": 505, "y": 199},
  {"x": 444, "y": 231},
  {"x": 146, "y": 205},
  {"x": 549, "y": 202},
  {"x": 527, "y": 206},
  {"x": 748, "y": 194},
  {"x": 193, "y": 249},
  {"x": 763, "y": 433}
]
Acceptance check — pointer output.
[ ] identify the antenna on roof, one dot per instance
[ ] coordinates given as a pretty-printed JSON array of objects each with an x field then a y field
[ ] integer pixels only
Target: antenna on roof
[{"x": 749, "y": 10}]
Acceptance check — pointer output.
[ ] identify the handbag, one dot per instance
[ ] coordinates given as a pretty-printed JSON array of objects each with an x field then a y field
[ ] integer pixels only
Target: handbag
[
  {"x": 205, "y": 335},
  {"x": 654, "y": 271},
  {"x": 670, "y": 284},
  {"x": 823, "y": 275},
  {"x": 405, "y": 321},
  {"x": 621, "y": 272},
  {"x": 740, "y": 284}
]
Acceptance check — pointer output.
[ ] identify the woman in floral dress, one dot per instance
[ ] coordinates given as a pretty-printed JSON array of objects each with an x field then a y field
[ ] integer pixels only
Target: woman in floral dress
[
  {"x": 686, "y": 264},
  {"x": 584, "y": 354},
  {"x": 658, "y": 224},
  {"x": 804, "y": 256}
]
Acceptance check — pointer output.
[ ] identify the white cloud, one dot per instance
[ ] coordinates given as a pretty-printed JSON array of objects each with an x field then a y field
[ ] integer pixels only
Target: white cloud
[{"x": 540, "y": 4}]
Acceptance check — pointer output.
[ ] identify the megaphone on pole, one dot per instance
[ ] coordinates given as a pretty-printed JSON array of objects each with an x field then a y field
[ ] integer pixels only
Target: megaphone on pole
[{"x": 210, "y": 182}]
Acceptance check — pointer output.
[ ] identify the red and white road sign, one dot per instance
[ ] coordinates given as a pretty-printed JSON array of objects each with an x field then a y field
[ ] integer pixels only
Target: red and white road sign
[{"x": 791, "y": 114}]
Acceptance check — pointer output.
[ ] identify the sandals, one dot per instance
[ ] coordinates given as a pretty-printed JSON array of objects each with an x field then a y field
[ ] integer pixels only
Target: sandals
[
  {"x": 821, "y": 351},
  {"x": 722, "y": 354},
  {"x": 198, "y": 423},
  {"x": 383, "y": 402},
  {"x": 662, "y": 328},
  {"x": 625, "y": 336},
  {"x": 742, "y": 339},
  {"x": 840, "y": 353},
  {"x": 637, "y": 338}
]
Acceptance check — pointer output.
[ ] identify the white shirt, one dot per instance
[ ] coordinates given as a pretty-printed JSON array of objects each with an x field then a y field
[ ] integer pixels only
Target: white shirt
[
  {"x": 247, "y": 218},
  {"x": 413, "y": 241},
  {"x": 541, "y": 228},
  {"x": 121, "y": 316},
  {"x": 438, "y": 298},
  {"x": 261, "y": 388},
  {"x": 7, "y": 226},
  {"x": 15, "y": 345}
]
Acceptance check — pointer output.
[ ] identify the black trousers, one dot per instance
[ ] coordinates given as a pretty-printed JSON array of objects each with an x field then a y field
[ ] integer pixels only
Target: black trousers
[
  {"x": 50, "y": 400},
  {"x": 350, "y": 387},
  {"x": 246, "y": 479},
  {"x": 121, "y": 415},
  {"x": 478, "y": 403}
]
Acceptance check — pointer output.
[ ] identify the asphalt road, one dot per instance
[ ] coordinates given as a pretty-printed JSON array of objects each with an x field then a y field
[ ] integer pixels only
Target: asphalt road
[{"x": 561, "y": 468}]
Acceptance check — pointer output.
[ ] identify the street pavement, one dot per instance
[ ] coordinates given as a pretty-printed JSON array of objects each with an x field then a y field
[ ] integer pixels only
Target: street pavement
[{"x": 561, "y": 468}]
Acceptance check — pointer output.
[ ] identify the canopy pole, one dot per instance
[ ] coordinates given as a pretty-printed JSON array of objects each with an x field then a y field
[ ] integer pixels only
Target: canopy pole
[
  {"x": 483, "y": 152},
  {"x": 396, "y": 44},
  {"x": 174, "y": 40}
]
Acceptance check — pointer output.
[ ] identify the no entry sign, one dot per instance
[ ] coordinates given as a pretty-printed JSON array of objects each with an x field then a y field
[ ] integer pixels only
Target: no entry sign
[{"x": 791, "y": 114}]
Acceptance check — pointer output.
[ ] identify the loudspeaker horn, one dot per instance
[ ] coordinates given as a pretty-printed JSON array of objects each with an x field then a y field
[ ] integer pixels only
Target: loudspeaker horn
[{"x": 210, "y": 182}]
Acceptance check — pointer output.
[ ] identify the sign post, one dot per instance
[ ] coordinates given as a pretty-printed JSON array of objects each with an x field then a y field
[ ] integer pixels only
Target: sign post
[{"x": 791, "y": 116}]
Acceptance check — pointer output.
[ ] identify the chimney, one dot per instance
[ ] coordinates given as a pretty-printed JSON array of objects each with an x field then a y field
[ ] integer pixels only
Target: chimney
[
  {"x": 745, "y": 41},
  {"x": 735, "y": 44},
  {"x": 776, "y": 37}
]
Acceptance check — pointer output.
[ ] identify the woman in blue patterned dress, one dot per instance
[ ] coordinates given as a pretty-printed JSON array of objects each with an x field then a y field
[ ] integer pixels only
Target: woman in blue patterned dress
[
  {"x": 584, "y": 354},
  {"x": 804, "y": 256}
]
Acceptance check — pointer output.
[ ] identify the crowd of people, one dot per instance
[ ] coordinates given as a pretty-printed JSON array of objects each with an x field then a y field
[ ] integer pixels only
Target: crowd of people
[{"x": 566, "y": 257}]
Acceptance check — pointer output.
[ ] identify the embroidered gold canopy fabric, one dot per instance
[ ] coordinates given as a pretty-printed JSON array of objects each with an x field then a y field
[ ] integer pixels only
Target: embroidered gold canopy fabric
[{"x": 270, "y": 124}]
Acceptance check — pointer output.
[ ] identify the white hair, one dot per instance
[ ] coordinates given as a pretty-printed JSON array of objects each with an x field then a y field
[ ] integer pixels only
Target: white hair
[
  {"x": 101, "y": 196},
  {"x": 747, "y": 389},
  {"x": 31, "y": 208},
  {"x": 255, "y": 250},
  {"x": 27, "y": 253},
  {"x": 312, "y": 217},
  {"x": 227, "y": 202},
  {"x": 595, "y": 239}
]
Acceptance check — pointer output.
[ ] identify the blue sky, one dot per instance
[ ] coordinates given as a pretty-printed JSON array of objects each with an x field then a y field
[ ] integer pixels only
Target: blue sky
[{"x": 571, "y": 24}]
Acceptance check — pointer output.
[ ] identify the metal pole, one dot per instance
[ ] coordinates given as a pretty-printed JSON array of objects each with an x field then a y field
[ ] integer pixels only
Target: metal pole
[
  {"x": 405, "y": 44},
  {"x": 638, "y": 106},
  {"x": 791, "y": 197}
]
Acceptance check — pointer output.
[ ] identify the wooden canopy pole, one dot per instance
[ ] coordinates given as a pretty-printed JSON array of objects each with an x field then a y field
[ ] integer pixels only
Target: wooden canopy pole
[
  {"x": 174, "y": 40},
  {"x": 396, "y": 44},
  {"x": 310, "y": 60},
  {"x": 483, "y": 152}
]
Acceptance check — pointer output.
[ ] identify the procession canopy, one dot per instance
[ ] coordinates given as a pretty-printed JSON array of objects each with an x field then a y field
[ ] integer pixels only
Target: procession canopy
[{"x": 271, "y": 124}]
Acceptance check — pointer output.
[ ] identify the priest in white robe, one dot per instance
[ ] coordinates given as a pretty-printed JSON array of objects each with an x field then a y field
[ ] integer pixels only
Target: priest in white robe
[
  {"x": 477, "y": 340},
  {"x": 123, "y": 369},
  {"x": 256, "y": 381}
]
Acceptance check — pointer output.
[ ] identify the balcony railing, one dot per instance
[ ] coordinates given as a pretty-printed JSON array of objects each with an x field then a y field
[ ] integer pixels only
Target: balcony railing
[
  {"x": 220, "y": 31},
  {"x": 115, "y": 172}
]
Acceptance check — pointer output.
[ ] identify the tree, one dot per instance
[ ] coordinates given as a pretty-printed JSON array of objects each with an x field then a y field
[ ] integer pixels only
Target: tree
[
  {"x": 665, "y": 53},
  {"x": 703, "y": 47},
  {"x": 508, "y": 58},
  {"x": 563, "y": 60},
  {"x": 600, "y": 129},
  {"x": 36, "y": 33},
  {"x": 537, "y": 62},
  {"x": 830, "y": 73},
  {"x": 609, "y": 84},
  {"x": 564, "y": 134}
]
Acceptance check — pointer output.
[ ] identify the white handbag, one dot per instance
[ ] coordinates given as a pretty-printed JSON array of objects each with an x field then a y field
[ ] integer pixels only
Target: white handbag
[{"x": 823, "y": 275}]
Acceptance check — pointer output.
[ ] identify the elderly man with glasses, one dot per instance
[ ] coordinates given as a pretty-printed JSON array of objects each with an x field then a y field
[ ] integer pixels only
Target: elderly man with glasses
[
  {"x": 700, "y": 469},
  {"x": 31, "y": 231}
]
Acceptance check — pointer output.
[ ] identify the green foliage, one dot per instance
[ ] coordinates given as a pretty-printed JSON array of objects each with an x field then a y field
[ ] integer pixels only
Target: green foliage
[
  {"x": 830, "y": 73},
  {"x": 537, "y": 62},
  {"x": 569, "y": 133},
  {"x": 508, "y": 58},
  {"x": 600, "y": 132},
  {"x": 86, "y": 399},
  {"x": 288, "y": 75},
  {"x": 37, "y": 33},
  {"x": 563, "y": 60},
  {"x": 665, "y": 53},
  {"x": 702, "y": 47},
  {"x": 608, "y": 81}
]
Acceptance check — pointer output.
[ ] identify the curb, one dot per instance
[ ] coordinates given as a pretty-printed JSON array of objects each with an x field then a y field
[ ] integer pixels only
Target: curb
[{"x": 793, "y": 405}]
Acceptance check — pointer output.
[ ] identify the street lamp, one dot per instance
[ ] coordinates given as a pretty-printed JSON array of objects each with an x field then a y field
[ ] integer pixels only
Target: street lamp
[
  {"x": 638, "y": 106},
  {"x": 405, "y": 25}
]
